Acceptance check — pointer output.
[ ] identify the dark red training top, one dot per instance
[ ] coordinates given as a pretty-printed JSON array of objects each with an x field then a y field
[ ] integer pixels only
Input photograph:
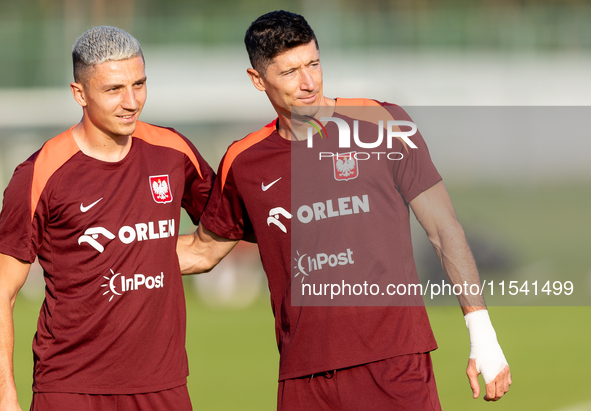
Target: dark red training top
[
  {"x": 113, "y": 319},
  {"x": 316, "y": 223}
]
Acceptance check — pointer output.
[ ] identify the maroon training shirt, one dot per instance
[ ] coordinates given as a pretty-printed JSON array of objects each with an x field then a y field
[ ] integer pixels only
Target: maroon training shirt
[
  {"x": 254, "y": 190},
  {"x": 113, "y": 318}
]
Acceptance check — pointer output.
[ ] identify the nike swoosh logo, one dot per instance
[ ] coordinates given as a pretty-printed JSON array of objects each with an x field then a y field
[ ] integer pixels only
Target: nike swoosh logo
[
  {"x": 85, "y": 209},
  {"x": 266, "y": 187}
]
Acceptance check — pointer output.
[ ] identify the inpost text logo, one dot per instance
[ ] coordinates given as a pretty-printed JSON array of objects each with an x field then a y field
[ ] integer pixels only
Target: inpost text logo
[
  {"x": 305, "y": 263},
  {"x": 118, "y": 284}
]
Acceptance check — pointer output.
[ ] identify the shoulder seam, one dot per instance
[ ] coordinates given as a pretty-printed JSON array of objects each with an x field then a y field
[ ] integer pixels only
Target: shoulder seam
[
  {"x": 242, "y": 145},
  {"x": 52, "y": 156},
  {"x": 153, "y": 137}
]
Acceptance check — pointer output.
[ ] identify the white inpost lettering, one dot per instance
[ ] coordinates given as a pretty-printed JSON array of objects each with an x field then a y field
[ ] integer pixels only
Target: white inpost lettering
[
  {"x": 139, "y": 279},
  {"x": 150, "y": 282},
  {"x": 350, "y": 256},
  {"x": 312, "y": 264},
  {"x": 322, "y": 259}
]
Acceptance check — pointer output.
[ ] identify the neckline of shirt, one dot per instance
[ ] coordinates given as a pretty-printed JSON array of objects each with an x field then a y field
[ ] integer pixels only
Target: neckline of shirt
[{"x": 108, "y": 165}]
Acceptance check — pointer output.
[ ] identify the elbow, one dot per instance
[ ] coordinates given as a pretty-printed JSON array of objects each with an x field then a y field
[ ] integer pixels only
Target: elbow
[{"x": 199, "y": 266}]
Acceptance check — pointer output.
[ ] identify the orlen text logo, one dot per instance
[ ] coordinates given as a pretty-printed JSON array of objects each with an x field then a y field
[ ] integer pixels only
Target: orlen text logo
[
  {"x": 118, "y": 284},
  {"x": 393, "y": 130},
  {"x": 305, "y": 263},
  {"x": 343, "y": 206},
  {"x": 128, "y": 234}
]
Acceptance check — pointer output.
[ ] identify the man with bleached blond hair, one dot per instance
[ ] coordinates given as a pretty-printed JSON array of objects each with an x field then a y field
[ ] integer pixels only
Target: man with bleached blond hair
[{"x": 99, "y": 205}]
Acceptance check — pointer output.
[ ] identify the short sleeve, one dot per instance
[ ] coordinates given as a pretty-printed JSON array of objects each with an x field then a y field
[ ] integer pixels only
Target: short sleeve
[
  {"x": 415, "y": 172},
  {"x": 198, "y": 185},
  {"x": 20, "y": 231},
  {"x": 225, "y": 213}
]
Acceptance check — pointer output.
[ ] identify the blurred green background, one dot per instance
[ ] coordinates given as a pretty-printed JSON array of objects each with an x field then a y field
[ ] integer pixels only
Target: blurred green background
[{"x": 526, "y": 217}]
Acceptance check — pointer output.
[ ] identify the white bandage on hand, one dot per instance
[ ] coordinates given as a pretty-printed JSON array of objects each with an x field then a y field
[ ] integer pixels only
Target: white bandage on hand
[{"x": 484, "y": 347}]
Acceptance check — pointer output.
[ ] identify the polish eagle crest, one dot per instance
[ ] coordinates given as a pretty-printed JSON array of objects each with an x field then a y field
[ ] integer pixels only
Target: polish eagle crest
[
  {"x": 345, "y": 166},
  {"x": 160, "y": 187}
]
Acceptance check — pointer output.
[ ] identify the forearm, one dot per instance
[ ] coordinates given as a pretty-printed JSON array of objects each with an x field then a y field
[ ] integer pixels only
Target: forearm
[
  {"x": 458, "y": 264},
  {"x": 434, "y": 210},
  {"x": 13, "y": 274},
  {"x": 192, "y": 259},
  {"x": 8, "y": 397},
  {"x": 201, "y": 251}
]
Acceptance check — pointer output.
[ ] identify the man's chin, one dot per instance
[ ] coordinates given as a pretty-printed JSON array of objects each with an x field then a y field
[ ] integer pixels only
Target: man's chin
[
  {"x": 304, "y": 111},
  {"x": 127, "y": 129}
]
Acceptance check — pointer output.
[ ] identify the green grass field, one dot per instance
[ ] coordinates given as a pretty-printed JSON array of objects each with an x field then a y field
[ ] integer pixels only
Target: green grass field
[{"x": 233, "y": 354}]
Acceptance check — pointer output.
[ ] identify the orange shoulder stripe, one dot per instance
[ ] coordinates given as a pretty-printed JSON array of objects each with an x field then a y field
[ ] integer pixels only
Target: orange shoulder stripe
[
  {"x": 163, "y": 137},
  {"x": 362, "y": 109},
  {"x": 359, "y": 102},
  {"x": 52, "y": 156},
  {"x": 241, "y": 145}
]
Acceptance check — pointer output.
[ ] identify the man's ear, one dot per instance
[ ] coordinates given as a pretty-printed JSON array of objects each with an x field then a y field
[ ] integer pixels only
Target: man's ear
[
  {"x": 78, "y": 93},
  {"x": 256, "y": 78}
]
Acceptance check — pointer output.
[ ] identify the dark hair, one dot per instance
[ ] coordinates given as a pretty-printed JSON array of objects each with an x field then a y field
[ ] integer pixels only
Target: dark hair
[{"x": 274, "y": 33}]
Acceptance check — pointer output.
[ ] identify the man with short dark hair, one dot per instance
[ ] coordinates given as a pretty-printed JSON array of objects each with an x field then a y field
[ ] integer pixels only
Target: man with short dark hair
[
  {"x": 337, "y": 219},
  {"x": 99, "y": 205}
]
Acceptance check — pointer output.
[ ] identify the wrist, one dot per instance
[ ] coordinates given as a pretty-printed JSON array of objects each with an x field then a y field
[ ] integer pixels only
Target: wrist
[{"x": 484, "y": 347}]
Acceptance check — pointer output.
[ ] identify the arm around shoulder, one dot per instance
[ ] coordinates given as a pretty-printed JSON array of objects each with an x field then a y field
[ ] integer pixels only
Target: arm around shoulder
[{"x": 201, "y": 251}]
